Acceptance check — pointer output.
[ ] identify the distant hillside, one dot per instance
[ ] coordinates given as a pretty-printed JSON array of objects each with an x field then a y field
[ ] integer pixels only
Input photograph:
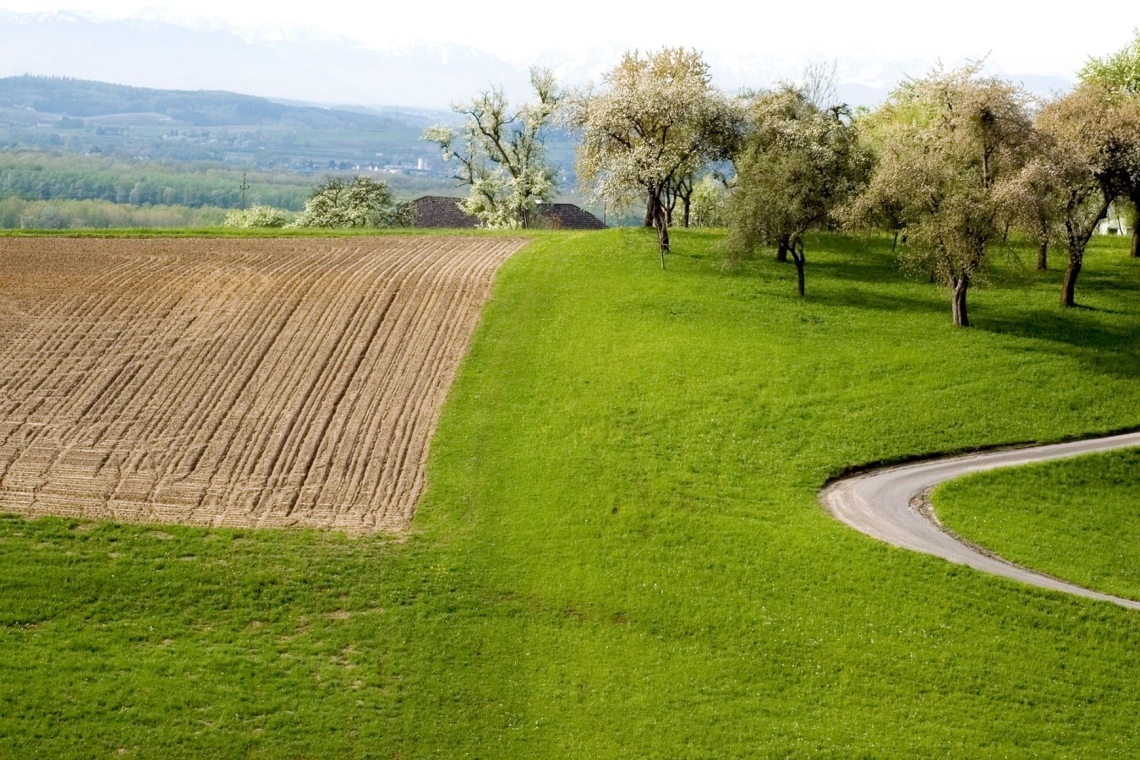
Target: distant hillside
[
  {"x": 153, "y": 53},
  {"x": 80, "y": 98}
]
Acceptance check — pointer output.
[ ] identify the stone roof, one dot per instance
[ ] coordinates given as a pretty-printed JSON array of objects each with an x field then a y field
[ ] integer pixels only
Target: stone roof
[
  {"x": 567, "y": 216},
  {"x": 439, "y": 212},
  {"x": 435, "y": 211}
]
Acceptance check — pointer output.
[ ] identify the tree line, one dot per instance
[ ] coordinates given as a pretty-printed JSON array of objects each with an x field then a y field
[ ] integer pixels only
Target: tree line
[
  {"x": 949, "y": 164},
  {"x": 45, "y": 177}
]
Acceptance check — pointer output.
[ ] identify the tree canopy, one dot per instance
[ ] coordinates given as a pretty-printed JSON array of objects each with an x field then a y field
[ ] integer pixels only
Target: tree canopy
[
  {"x": 501, "y": 155},
  {"x": 798, "y": 163},
  {"x": 356, "y": 202},
  {"x": 1119, "y": 75},
  {"x": 656, "y": 120}
]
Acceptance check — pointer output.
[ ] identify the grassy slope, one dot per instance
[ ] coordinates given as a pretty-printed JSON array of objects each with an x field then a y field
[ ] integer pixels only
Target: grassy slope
[
  {"x": 1077, "y": 519},
  {"x": 621, "y": 553}
]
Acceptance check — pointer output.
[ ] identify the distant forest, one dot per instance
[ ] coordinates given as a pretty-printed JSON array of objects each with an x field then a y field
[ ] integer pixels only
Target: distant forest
[{"x": 44, "y": 177}]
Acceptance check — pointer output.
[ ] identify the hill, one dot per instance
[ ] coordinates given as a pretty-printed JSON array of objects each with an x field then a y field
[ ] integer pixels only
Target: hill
[{"x": 35, "y": 97}]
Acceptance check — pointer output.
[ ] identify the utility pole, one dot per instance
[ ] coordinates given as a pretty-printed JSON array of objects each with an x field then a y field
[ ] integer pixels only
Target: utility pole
[{"x": 244, "y": 186}]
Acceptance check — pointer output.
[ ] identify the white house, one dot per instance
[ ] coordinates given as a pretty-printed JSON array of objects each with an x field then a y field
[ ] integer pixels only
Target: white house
[{"x": 1114, "y": 223}]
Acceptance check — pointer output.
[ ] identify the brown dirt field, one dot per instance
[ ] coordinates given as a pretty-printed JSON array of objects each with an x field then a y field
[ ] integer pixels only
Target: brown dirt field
[{"x": 245, "y": 383}]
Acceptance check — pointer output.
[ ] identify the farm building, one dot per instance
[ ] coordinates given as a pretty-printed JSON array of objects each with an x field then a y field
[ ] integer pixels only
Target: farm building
[{"x": 438, "y": 212}]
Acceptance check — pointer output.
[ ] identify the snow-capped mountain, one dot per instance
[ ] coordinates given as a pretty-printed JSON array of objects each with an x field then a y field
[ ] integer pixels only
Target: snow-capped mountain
[{"x": 169, "y": 49}]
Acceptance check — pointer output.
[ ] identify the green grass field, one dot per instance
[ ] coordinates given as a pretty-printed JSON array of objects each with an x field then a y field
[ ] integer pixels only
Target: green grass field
[
  {"x": 1077, "y": 519},
  {"x": 620, "y": 553}
]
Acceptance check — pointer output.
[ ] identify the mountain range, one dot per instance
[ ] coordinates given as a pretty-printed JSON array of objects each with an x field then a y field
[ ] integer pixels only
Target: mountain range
[
  {"x": 158, "y": 50},
  {"x": 159, "y": 54}
]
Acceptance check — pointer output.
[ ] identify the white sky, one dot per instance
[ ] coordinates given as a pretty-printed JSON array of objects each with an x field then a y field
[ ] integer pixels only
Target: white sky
[{"x": 1018, "y": 38}]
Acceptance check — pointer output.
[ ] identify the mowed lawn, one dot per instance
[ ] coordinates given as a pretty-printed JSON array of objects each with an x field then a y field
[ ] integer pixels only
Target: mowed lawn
[
  {"x": 620, "y": 553},
  {"x": 1077, "y": 519}
]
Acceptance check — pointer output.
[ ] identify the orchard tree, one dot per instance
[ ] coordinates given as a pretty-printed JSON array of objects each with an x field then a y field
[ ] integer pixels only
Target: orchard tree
[
  {"x": 356, "y": 202},
  {"x": 879, "y": 206},
  {"x": 798, "y": 164},
  {"x": 707, "y": 203},
  {"x": 1117, "y": 72},
  {"x": 1083, "y": 133},
  {"x": 947, "y": 141},
  {"x": 656, "y": 122},
  {"x": 1119, "y": 75},
  {"x": 501, "y": 153},
  {"x": 1034, "y": 200}
]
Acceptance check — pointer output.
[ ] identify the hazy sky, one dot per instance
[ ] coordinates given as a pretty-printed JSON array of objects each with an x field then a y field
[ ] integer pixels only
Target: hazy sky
[{"x": 1017, "y": 39}]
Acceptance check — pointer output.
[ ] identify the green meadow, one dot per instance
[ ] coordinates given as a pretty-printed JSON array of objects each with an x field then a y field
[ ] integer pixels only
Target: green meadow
[{"x": 621, "y": 553}]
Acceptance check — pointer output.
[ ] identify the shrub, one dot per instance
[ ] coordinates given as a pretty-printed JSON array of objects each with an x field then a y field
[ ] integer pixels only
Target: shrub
[{"x": 258, "y": 216}]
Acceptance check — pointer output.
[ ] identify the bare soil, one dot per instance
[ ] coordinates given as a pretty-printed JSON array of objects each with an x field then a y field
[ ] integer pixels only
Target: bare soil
[{"x": 251, "y": 383}]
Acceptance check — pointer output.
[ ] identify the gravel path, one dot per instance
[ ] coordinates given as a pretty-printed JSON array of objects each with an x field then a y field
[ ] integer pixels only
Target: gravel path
[{"x": 891, "y": 505}]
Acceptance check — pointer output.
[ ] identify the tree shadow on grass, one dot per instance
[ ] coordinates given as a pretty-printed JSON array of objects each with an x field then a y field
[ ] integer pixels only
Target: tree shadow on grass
[
  {"x": 1112, "y": 349},
  {"x": 878, "y": 300},
  {"x": 870, "y": 269},
  {"x": 1113, "y": 281}
]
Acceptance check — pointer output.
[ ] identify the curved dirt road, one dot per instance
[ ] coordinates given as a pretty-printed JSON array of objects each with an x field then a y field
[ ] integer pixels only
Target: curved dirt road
[{"x": 889, "y": 505}]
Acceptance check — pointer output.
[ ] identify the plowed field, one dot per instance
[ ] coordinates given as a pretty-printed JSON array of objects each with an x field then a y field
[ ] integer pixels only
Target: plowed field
[{"x": 231, "y": 382}]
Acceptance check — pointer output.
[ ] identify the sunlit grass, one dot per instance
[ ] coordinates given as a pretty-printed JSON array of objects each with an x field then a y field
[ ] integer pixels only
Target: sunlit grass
[
  {"x": 1077, "y": 519},
  {"x": 621, "y": 553}
]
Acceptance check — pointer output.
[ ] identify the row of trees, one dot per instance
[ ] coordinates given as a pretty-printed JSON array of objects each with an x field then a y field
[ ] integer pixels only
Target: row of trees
[
  {"x": 36, "y": 176},
  {"x": 960, "y": 158},
  {"x": 17, "y": 213},
  {"x": 951, "y": 162}
]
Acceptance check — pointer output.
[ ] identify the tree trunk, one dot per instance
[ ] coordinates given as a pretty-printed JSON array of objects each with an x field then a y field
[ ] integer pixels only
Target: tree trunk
[
  {"x": 688, "y": 205},
  {"x": 797, "y": 249},
  {"x": 1069, "y": 288},
  {"x": 782, "y": 250},
  {"x": 662, "y": 233},
  {"x": 895, "y": 242},
  {"x": 650, "y": 210},
  {"x": 1043, "y": 256},
  {"x": 1134, "y": 220},
  {"x": 958, "y": 304}
]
